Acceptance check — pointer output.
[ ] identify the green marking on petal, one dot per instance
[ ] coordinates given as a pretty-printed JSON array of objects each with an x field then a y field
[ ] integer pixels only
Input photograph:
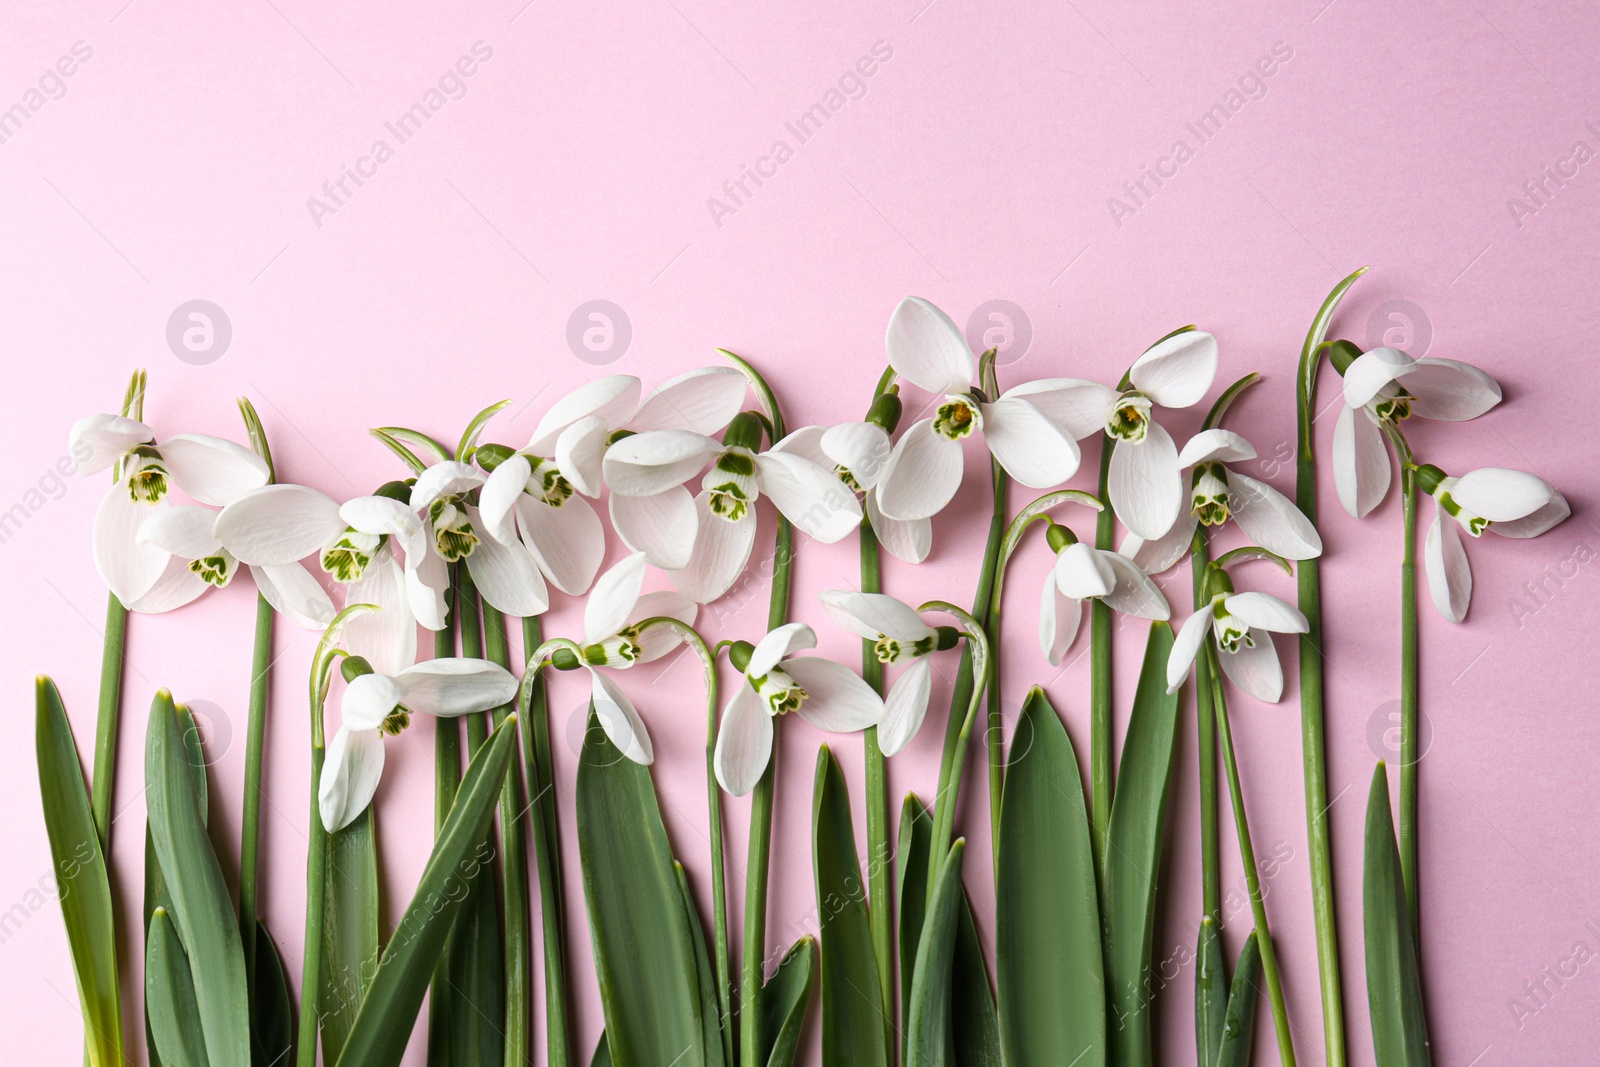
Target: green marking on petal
[
  {"x": 396, "y": 721},
  {"x": 1130, "y": 417},
  {"x": 548, "y": 483},
  {"x": 347, "y": 556},
  {"x": 781, "y": 693},
  {"x": 453, "y": 534},
  {"x": 1209, "y": 497},
  {"x": 956, "y": 418},
  {"x": 215, "y": 570}
]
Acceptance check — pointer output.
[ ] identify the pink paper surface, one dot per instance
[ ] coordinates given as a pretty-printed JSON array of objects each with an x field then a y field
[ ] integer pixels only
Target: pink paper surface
[{"x": 596, "y": 153}]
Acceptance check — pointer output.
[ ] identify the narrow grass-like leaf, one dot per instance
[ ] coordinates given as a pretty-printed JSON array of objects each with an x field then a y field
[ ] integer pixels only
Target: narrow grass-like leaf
[
  {"x": 644, "y": 955},
  {"x": 201, "y": 908},
  {"x": 975, "y": 1024},
  {"x": 271, "y": 1009},
  {"x": 81, "y": 878},
  {"x": 1239, "y": 1025},
  {"x": 349, "y": 929},
  {"x": 174, "y": 1016},
  {"x": 911, "y": 902},
  {"x": 928, "y": 1028},
  {"x": 784, "y": 1000},
  {"x": 1133, "y": 852},
  {"x": 1394, "y": 986},
  {"x": 1210, "y": 992},
  {"x": 1047, "y": 915},
  {"x": 384, "y": 1023},
  {"x": 852, "y": 1014}
]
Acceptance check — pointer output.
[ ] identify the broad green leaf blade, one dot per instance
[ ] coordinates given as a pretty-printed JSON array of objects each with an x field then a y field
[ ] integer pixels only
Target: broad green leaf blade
[
  {"x": 602, "y": 1053},
  {"x": 1210, "y": 992},
  {"x": 928, "y": 1028},
  {"x": 271, "y": 1009},
  {"x": 711, "y": 1025},
  {"x": 81, "y": 878},
  {"x": 852, "y": 1013},
  {"x": 349, "y": 930},
  {"x": 156, "y": 894},
  {"x": 1394, "y": 984},
  {"x": 1047, "y": 914},
  {"x": 201, "y": 908},
  {"x": 975, "y": 1025},
  {"x": 784, "y": 1000},
  {"x": 644, "y": 956},
  {"x": 911, "y": 899},
  {"x": 1234, "y": 1049},
  {"x": 1133, "y": 852},
  {"x": 476, "y": 962},
  {"x": 174, "y": 1016},
  {"x": 384, "y": 1023}
]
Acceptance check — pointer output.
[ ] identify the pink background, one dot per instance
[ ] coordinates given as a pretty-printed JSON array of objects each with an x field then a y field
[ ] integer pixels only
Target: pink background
[{"x": 976, "y": 165}]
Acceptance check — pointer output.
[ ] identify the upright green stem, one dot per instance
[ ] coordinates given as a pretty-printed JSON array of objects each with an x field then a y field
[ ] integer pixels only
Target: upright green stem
[
  {"x": 761, "y": 801},
  {"x": 1252, "y": 880},
  {"x": 1408, "y": 700},
  {"x": 1101, "y": 787},
  {"x": 1313, "y": 741},
  {"x": 514, "y": 874},
  {"x": 944, "y": 814},
  {"x": 105, "y": 731},
  {"x": 880, "y": 918},
  {"x": 1206, "y": 751},
  {"x": 446, "y": 781},
  {"x": 255, "y": 739},
  {"x": 316, "y": 888},
  {"x": 546, "y": 854}
]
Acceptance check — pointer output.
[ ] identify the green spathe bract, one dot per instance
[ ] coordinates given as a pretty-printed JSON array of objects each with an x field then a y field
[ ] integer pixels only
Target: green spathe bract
[
  {"x": 80, "y": 874},
  {"x": 1047, "y": 918},
  {"x": 927, "y": 1028}
]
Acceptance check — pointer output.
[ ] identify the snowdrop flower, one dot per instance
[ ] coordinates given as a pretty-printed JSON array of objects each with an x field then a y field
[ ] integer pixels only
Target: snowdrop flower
[
  {"x": 1083, "y": 572},
  {"x": 379, "y": 705},
  {"x": 1383, "y": 387},
  {"x": 807, "y": 494},
  {"x": 572, "y": 439},
  {"x": 857, "y": 452},
  {"x": 612, "y": 637},
  {"x": 1509, "y": 502},
  {"x": 1241, "y": 624},
  {"x": 209, "y": 469},
  {"x": 829, "y": 696},
  {"x": 898, "y": 635},
  {"x": 188, "y": 533},
  {"x": 1021, "y": 427},
  {"x": 1219, "y": 492}
]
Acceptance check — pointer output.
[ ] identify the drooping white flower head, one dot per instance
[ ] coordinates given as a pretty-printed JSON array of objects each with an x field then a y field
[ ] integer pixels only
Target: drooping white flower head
[
  {"x": 808, "y": 495},
  {"x": 212, "y": 470},
  {"x": 1386, "y": 386},
  {"x": 1081, "y": 573},
  {"x": 857, "y": 453},
  {"x": 899, "y": 636},
  {"x": 612, "y": 637},
  {"x": 827, "y": 695},
  {"x": 376, "y": 705},
  {"x": 1241, "y": 625},
  {"x": 1511, "y": 503},
  {"x": 1028, "y": 429},
  {"x": 199, "y": 561},
  {"x": 1218, "y": 491}
]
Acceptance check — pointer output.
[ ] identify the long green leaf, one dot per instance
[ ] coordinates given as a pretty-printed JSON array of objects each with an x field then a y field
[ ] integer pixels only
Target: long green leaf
[
  {"x": 911, "y": 900},
  {"x": 174, "y": 1015},
  {"x": 1047, "y": 916},
  {"x": 1210, "y": 992},
  {"x": 928, "y": 1028},
  {"x": 784, "y": 1000},
  {"x": 852, "y": 1013},
  {"x": 271, "y": 1009},
  {"x": 202, "y": 910},
  {"x": 644, "y": 954},
  {"x": 1234, "y": 1048},
  {"x": 384, "y": 1023},
  {"x": 1394, "y": 986},
  {"x": 156, "y": 894},
  {"x": 1133, "y": 852},
  {"x": 602, "y": 1053},
  {"x": 711, "y": 1022},
  {"x": 81, "y": 879},
  {"x": 349, "y": 929},
  {"x": 975, "y": 1023}
]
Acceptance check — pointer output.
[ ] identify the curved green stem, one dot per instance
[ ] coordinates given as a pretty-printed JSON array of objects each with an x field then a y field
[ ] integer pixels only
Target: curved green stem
[
  {"x": 533, "y": 700},
  {"x": 950, "y": 778},
  {"x": 1252, "y": 880}
]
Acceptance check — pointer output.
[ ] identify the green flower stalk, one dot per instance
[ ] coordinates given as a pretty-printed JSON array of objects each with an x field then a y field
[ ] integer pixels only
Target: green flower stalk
[
  {"x": 534, "y": 703},
  {"x": 255, "y": 736},
  {"x": 1313, "y": 740}
]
